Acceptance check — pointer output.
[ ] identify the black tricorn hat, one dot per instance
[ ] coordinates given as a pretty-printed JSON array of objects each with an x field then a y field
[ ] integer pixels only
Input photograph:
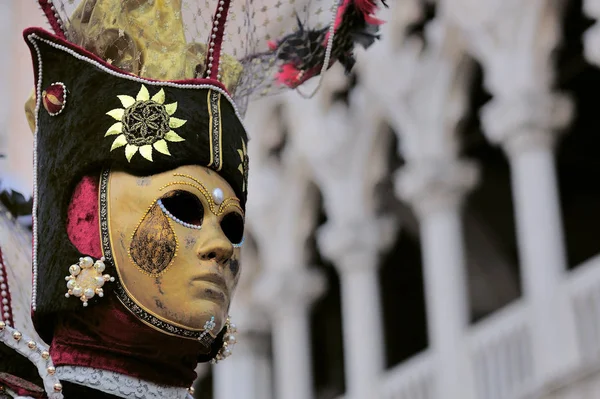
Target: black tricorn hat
[{"x": 92, "y": 116}]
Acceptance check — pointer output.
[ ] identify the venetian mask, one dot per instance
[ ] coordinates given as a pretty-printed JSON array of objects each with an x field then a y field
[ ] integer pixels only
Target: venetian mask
[{"x": 175, "y": 238}]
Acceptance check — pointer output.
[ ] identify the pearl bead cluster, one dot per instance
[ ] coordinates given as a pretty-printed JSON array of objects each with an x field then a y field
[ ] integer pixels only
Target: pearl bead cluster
[
  {"x": 6, "y": 313},
  {"x": 86, "y": 279},
  {"x": 175, "y": 219},
  {"x": 229, "y": 341},
  {"x": 37, "y": 353},
  {"x": 215, "y": 35}
]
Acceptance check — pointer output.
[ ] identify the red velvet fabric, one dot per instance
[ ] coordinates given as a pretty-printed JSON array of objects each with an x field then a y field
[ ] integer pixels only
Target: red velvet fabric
[
  {"x": 83, "y": 218},
  {"x": 108, "y": 337},
  {"x": 21, "y": 387},
  {"x": 53, "y": 19}
]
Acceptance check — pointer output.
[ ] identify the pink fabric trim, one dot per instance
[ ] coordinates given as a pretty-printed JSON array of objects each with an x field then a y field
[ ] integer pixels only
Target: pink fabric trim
[
  {"x": 52, "y": 19},
  {"x": 218, "y": 41},
  {"x": 21, "y": 387},
  {"x": 83, "y": 218}
]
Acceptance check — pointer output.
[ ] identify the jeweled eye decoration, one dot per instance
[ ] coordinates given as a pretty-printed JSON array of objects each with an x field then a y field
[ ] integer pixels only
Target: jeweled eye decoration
[
  {"x": 144, "y": 124},
  {"x": 86, "y": 279}
]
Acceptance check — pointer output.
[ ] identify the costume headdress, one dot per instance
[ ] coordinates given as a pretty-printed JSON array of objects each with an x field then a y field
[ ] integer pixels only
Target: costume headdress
[{"x": 146, "y": 86}]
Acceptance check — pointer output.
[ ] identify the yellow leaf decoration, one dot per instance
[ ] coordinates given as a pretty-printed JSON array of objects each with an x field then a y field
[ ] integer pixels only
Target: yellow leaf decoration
[
  {"x": 161, "y": 146},
  {"x": 146, "y": 152},
  {"x": 171, "y": 108},
  {"x": 127, "y": 101},
  {"x": 117, "y": 128},
  {"x": 116, "y": 113},
  {"x": 174, "y": 137},
  {"x": 159, "y": 97},
  {"x": 130, "y": 151},
  {"x": 119, "y": 142},
  {"x": 176, "y": 122},
  {"x": 143, "y": 94}
]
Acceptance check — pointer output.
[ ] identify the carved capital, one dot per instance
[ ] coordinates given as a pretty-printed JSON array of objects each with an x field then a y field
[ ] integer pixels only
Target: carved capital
[
  {"x": 436, "y": 185},
  {"x": 513, "y": 39},
  {"x": 424, "y": 103},
  {"x": 528, "y": 121},
  {"x": 345, "y": 243},
  {"x": 289, "y": 289}
]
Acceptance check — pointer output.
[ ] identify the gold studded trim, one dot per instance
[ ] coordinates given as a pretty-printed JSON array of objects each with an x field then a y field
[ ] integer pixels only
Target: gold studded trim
[
  {"x": 37, "y": 353},
  {"x": 215, "y": 130}
]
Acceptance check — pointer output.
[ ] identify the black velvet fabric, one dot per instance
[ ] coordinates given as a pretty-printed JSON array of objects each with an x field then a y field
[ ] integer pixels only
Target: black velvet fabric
[
  {"x": 75, "y": 391},
  {"x": 12, "y": 362},
  {"x": 73, "y": 144}
]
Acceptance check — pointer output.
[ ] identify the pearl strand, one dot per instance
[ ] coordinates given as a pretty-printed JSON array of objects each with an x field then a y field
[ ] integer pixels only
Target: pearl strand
[
  {"x": 213, "y": 37},
  {"x": 57, "y": 17},
  {"x": 328, "y": 51},
  {"x": 175, "y": 219},
  {"x": 35, "y": 176}
]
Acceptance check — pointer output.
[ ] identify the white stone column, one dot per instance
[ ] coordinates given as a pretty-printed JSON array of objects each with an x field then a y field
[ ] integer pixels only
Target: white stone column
[
  {"x": 436, "y": 192},
  {"x": 354, "y": 248},
  {"x": 288, "y": 295},
  {"x": 526, "y": 128},
  {"x": 343, "y": 147},
  {"x": 247, "y": 373},
  {"x": 591, "y": 37},
  {"x": 515, "y": 41}
]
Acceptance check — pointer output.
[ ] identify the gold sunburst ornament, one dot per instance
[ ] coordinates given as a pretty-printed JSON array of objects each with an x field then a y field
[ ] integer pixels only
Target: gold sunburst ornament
[{"x": 144, "y": 124}]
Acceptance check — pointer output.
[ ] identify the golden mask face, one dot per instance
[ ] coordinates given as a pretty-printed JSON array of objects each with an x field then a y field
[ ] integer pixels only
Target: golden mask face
[{"x": 174, "y": 237}]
